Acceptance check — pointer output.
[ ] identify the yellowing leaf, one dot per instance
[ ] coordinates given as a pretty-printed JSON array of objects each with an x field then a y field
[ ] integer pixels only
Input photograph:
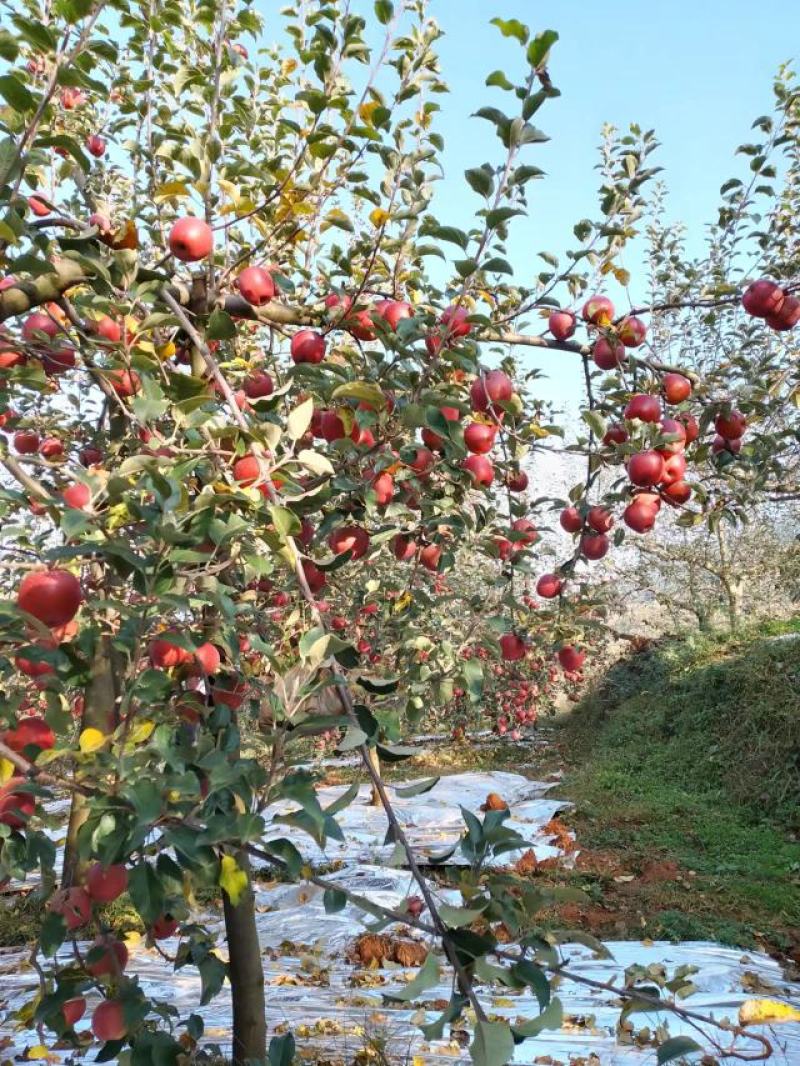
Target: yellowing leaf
[
  {"x": 766, "y": 1012},
  {"x": 39, "y": 1051},
  {"x": 378, "y": 216},
  {"x": 367, "y": 110},
  {"x": 364, "y": 391},
  {"x": 170, "y": 189},
  {"x": 232, "y": 880},
  {"x": 165, "y": 351},
  {"x": 141, "y": 731},
  {"x": 132, "y": 939},
  {"x": 622, "y": 275},
  {"x": 402, "y": 602},
  {"x": 91, "y": 740},
  {"x": 288, "y": 66},
  {"x": 6, "y": 770}
]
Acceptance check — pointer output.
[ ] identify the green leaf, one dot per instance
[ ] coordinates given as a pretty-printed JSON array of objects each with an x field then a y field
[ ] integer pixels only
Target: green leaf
[
  {"x": 455, "y": 917},
  {"x": 550, "y": 1018},
  {"x": 35, "y": 33},
  {"x": 676, "y": 1047},
  {"x": 384, "y": 11},
  {"x": 344, "y": 800},
  {"x": 419, "y": 788},
  {"x": 512, "y": 28},
  {"x": 146, "y": 892},
  {"x": 212, "y": 976},
  {"x": 531, "y": 974},
  {"x": 480, "y": 179},
  {"x": 493, "y": 1044},
  {"x": 300, "y": 419},
  {"x": 281, "y": 1050},
  {"x": 16, "y": 94},
  {"x": 221, "y": 326},
  {"x": 472, "y": 672},
  {"x": 539, "y": 48},
  {"x": 51, "y": 934},
  {"x": 334, "y": 900},
  {"x": 498, "y": 78},
  {"x": 9, "y": 49},
  {"x": 451, "y": 234},
  {"x": 286, "y": 522},
  {"x": 427, "y": 976}
]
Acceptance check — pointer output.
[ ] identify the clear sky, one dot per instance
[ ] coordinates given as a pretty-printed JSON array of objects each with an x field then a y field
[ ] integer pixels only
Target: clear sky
[{"x": 697, "y": 72}]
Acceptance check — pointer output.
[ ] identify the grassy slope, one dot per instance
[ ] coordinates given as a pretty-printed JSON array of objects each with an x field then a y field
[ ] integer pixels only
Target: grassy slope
[{"x": 685, "y": 768}]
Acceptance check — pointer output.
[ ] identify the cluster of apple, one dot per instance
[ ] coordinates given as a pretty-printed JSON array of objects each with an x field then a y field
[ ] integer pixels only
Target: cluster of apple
[{"x": 766, "y": 299}]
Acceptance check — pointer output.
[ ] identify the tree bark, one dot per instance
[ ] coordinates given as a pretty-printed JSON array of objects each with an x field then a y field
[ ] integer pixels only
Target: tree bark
[
  {"x": 246, "y": 975},
  {"x": 99, "y": 712}
]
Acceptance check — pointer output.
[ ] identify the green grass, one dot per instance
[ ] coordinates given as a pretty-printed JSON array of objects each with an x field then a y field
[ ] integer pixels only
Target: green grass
[{"x": 690, "y": 753}]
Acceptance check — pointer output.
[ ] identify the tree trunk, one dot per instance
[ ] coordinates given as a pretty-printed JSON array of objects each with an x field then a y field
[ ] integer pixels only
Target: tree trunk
[
  {"x": 246, "y": 975},
  {"x": 99, "y": 712},
  {"x": 375, "y": 800}
]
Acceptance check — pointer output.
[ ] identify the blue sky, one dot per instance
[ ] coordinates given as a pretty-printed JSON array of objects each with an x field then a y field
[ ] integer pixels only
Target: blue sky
[{"x": 697, "y": 72}]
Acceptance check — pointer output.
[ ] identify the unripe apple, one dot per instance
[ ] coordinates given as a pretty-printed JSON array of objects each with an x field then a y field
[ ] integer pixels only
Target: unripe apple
[
  {"x": 646, "y": 468},
  {"x": 512, "y": 647},
  {"x": 598, "y": 310},
  {"x": 549, "y": 586},
  {"x": 106, "y": 883},
  {"x": 632, "y": 331},
  {"x": 570, "y": 520},
  {"x": 10, "y": 358},
  {"x": 191, "y": 239},
  {"x": 52, "y": 596},
  {"x": 645, "y": 407},
  {"x": 307, "y": 346},
  {"x": 106, "y": 328},
  {"x": 165, "y": 655},
  {"x": 762, "y": 298},
  {"x": 594, "y": 545},
  {"x": 562, "y": 324},
  {"x": 676, "y": 387},
  {"x": 731, "y": 426},
  {"x": 607, "y": 354},
  {"x": 480, "y": 469},
  {"x": 571, "y": 659},
  {"x": 479, "y": 437}
]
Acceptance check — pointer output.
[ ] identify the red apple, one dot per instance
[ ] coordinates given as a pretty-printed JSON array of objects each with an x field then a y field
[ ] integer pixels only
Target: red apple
[
  {"x": 96, "y": 146},
  {"x": 571, "y": 659},
  {"x": 526, "y": 532},
  {"x": 598, "y": 310},
  {"x": 512, "y": 647},
  {"x": 454, "y": 319},
  {"x": 632, "y": 331},
  {"x": 165, "y": 655},
  {"x": 257, "y": 385},
  {"x": 677, "y": 493},
  {"x": 491, "y": 389},
  {"x": 404, "y": 548},
  {"x": 248, "y": 471},
  {"x": 640, "y": 515},
  {"x": 517, "y": 481},
  {"x": 29, "y": 731},
  {"x": 692, "y": 427},
  {"x": 73, "y": 1010},
  {"x": 393, "y": 311},
  {"x": 307, "y": 347},
  {"x": 762, "y": 298},
  {"x": 112, "y": 960},
  {"x": 51, "y": 448},
  {"x": 600, "y": 519},
  {"x": 16, "y": 806},
  {"x": 645, "y": 407},
  {"x": 570, "y": 520},
  {"x": 191, "y": 239},
  {"x": 479, "y": 437},
  {"x": 608, "y": 355},
  {"x": 423, "y": 461},
  {"x": 383, "y": 487},
  {"x": 646, "y": 468},
  {"x": 108, "y": 1021},
  {"x": 674, "y": 469},
  {"x": 480, "y": 469},
  {"x": 26, "y": 442},
  {"x": 39, "y": 206},
  {"x": 594, "y": 545},
  {"x": 74, "y": 905},
  {"x": 207, "y": 657},
  {"x": 615, "y": 434},
  {"x": 315, "y": 577},
  {"x": 349, "y": 539},
  {"x": 562, "y": 324},
  {"x": 331, "y": 426},
  {"x": 360, "y": 324},
  {"x": 676, "y": 387},
  {"x": 38, "y": 323},
  {"x": 164, "y": 927},
  {"x": 672, "y": 427},
  {"x": 106, "y": 883},
  {"x": 549, "y": 586},
  {"x": 52, "y": 596},
  {"x": 724, "y": 444},
  {"x": 787, "y": 317},
  {"x": 731, "y": 426},
  {"x": 430, "y": 555}
]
